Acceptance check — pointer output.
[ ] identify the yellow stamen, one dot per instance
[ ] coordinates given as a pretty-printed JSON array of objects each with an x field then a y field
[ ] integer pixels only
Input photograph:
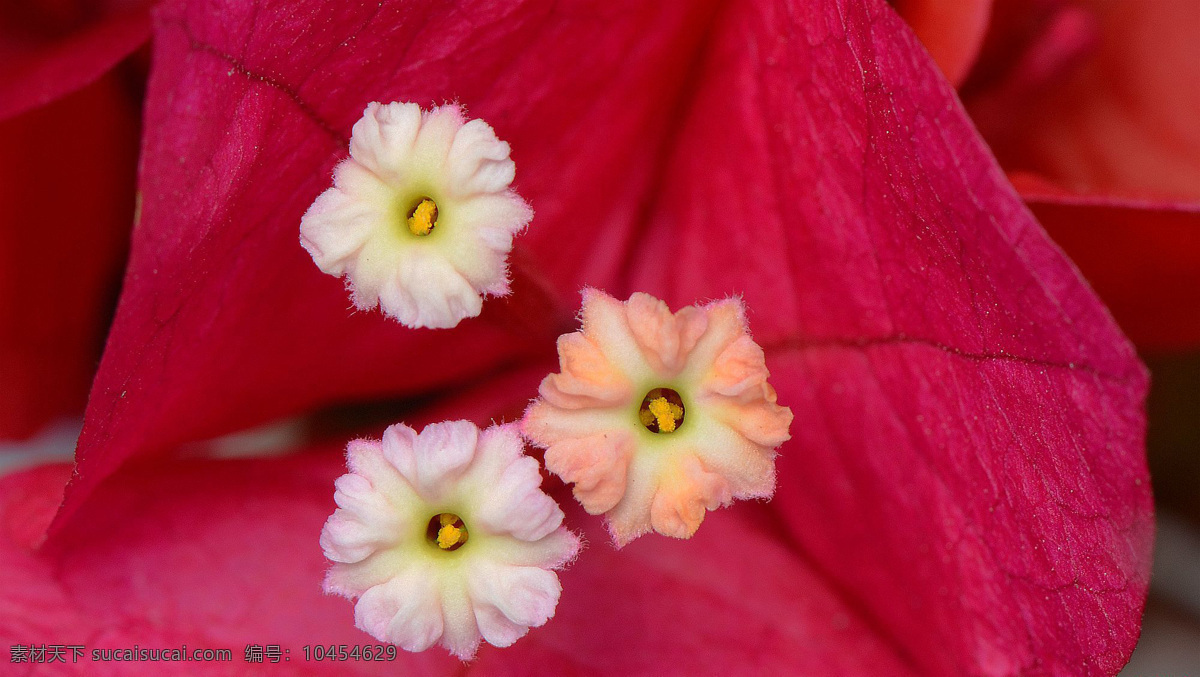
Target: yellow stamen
[
  {"x": 423, "y": 218},
  {"x": 665, "y": 413},
  {"x": 447, "y": 531},
  {"x": 448, "y": 536}
]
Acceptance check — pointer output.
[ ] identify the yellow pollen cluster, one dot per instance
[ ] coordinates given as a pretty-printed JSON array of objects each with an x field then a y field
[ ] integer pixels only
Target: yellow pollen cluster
[
  {"x": 450, "y": 536},
  {"x": 665, "y": 413},
  {"x": 423, "y": 218}
]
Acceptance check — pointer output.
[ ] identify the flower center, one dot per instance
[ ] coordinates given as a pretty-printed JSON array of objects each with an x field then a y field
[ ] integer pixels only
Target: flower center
[
  {"x": 661, "y": 411},
  {"x": 422, "y": 217},
  {"x": 446, "y": 531}
]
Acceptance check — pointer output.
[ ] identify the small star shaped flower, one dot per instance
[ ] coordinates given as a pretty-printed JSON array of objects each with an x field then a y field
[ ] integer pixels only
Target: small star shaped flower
[
  {"x": 445, "y": 537},
  {"x": 658, "y": 417},
  {"x": 420, "y": 218}
]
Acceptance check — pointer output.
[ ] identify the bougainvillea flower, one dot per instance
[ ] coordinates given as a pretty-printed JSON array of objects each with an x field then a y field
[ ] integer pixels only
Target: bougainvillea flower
[
  {"x": 445, "y": 537},
  {"x": 1090, "y": 106},
  {"x": 657, "y": 417},
  {"x": 965, "y": 490},
  {"x": 219, "y": 554},
  {"x": 420, "y": 218}
]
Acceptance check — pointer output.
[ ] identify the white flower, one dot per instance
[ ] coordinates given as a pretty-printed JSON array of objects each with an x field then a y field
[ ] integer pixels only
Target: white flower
[
  {"x": 446, "y": 537},
  {"x": 658, "y": 417},
  {"x": 420, "y": 218}
]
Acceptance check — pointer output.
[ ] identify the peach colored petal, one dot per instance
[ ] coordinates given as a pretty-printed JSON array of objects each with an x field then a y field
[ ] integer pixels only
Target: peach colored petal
[
  {"x": 759, "y": 420},
  {"x": 742, "y": 365},
  {"x": 597, "y": 465},
  {"x": 604, "y": 322},
  {"x": 587, "y": 377},
  {"x": 661, "y": 478},
  {"x": 726, "y": 322},
  {"x": 545, "y": 424},
  {"x": 748, "y": 466},
  {"x": 684, "y": 494},
  {"x": 664, "y": 337}
]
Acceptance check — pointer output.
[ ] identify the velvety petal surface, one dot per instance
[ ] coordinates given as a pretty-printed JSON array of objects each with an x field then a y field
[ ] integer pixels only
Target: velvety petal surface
[
  {"x": 50, "y": 49},
  {"x": 224, "y": 320},
  {"x": 67, "y": 174},
  {"x": 966, "y": 475},
  {"x": 968, "y": 447},
  {"x": 221, "y": 554},
  {"x": 1091, "y": 108}
]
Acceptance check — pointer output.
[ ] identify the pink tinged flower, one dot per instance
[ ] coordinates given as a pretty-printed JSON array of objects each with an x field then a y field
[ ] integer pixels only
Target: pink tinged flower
[
  {"x": 445, "y": 537},
  {"x": 420, "y": 219},
  {"x": 658, "y": 417},
  {"x": 916, "y": 308}
]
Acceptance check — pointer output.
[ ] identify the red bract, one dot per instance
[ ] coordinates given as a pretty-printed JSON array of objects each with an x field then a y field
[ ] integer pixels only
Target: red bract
[
  {"x": 49, "y": 49},
  {"x": 242, "y": 135},
  {"x": 1101, "y": 99},
  {"x": 1091, "y": 106},
  {"x": 965, "y": 491},
  {"x": 1142, "y": 257},
  {"x": 67, "y": 199},
  {"x": 68, "y": 140}
]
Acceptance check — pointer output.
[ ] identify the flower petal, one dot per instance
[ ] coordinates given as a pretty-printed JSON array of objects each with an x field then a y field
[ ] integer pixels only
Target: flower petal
[
  {"x": 67, "y": 199},
  {"x": 225, "y": 323},
  {"x": 1091, "y": 107},
  {"x": 508, "y": 600},
  {"x": 442, "y": 452},
  {"x": 684, "y": 494},
  {"x": 596, "y": 464},
  {"x": 221, "y": 554},
  {"x": 515, "y": 503},
  {"x": 1142, "y": 258},
  {"x": 35, "y": 71},
  {"x": 965, "y": 409},
  {"x": 406, "y": 610},
  {"x": 1115, "y": 117}
]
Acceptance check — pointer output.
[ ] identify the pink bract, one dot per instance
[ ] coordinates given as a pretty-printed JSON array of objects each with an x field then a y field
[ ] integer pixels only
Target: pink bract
[
  {"x": 965, "y": 490},
  {"x": 1090, "y": 107},
  {"x": 67, "y": 198},
  {"x": 50, "y": 49},
  {"x": 68, "y": 157}
]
